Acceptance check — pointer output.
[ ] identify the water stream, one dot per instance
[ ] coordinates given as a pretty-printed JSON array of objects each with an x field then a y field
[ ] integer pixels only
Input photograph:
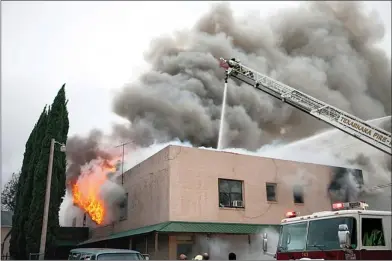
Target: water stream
[{"x": 222, "y": 121}]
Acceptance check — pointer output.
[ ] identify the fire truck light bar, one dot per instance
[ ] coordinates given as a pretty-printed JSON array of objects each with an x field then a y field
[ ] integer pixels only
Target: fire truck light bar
[
  {"x": 349, "y": 205},
  {"x": 291, "y": 214}
]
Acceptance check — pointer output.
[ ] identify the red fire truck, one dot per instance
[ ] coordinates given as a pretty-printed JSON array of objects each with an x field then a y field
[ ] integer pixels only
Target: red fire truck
[{"x": 349, "y": 232}]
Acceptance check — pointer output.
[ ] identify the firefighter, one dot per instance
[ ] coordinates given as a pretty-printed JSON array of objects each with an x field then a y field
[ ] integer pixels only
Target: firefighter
[
  {"x": 374, "y": 238},
  {"x": 235, "y": 64}
]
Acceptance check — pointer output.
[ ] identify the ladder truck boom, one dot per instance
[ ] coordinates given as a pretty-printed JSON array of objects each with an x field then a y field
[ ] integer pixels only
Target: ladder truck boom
[{"x": 339, "y": 119}]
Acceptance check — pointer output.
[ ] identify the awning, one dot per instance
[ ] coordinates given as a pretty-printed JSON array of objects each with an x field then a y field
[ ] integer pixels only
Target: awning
[{"x": 189, "y": 227}]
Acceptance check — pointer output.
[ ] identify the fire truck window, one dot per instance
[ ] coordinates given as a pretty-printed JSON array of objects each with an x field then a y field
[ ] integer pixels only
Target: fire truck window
[
  {"x": 372, "y": 232},
  {"x": 323, "y": 233},
  {"x": 293, "y": 237}
]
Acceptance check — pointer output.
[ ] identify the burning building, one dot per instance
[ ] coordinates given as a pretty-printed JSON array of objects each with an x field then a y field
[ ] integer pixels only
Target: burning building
[{"x": 182, "y": 197}]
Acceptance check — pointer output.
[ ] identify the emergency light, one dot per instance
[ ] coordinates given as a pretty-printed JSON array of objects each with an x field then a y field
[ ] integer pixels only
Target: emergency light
[
  {"x": 349, "y": 205},
  {"x": 291, "y": 214}
]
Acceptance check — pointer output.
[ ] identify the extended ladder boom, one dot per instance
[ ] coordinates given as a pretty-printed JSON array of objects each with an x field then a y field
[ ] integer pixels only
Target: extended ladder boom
[{"x": 348, "y": 123}]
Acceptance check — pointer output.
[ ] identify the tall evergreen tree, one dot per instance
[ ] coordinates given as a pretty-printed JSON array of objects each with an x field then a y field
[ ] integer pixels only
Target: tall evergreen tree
[
  {"x": 57, "y": 128},
  {"x": 24, "y": 190}
]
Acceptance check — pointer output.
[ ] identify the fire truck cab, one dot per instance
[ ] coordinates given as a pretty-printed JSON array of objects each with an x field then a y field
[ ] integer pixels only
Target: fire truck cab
[{"x": 349, "y": 232}]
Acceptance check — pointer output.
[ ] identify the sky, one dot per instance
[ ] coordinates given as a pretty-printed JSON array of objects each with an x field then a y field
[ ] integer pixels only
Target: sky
[{"x": 95, "y": 48}]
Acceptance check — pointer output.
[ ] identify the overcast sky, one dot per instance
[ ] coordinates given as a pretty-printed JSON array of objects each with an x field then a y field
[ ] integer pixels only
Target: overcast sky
[{"x": 94, "y": 47}]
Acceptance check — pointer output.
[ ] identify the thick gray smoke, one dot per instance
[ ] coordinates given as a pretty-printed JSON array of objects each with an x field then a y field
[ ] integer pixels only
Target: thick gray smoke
[
  {"x": 83, "y": 155},
  {"x": 324, "y": 49},
  {"x": 81, "y": 151}
]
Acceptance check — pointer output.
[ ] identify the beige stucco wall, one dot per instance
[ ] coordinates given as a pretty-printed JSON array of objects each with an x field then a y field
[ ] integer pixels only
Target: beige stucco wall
[
  {"x": 4, "y": 232},
  {"x": 147, "y": 185},
  {"x": 181, "y": 184},
  {"x": 194, "y": 177}
]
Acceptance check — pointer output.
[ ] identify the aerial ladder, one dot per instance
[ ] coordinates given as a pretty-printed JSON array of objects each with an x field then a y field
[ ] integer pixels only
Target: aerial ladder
[{"x": 360, "y": 129}]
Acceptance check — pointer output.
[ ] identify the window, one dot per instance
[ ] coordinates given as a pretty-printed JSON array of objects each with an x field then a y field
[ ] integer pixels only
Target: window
[
  {"x": 84, "y": 219},
  {"x": 298, "y": 194},
  {"x": 323, "y": 233},
  {"x": 230, "y": 193},
  {"x": 372, "y": 232},
  {"x": 271, "y": 191},
  {"x": 293, "y": 237},
  {"x": 124, "y": 208}
]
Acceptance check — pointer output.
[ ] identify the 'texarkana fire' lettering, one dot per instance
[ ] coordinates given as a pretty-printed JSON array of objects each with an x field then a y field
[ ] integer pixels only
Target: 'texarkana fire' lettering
[
  {"x": 365, "y": 130},
  {"x": 356, "y": 126}
]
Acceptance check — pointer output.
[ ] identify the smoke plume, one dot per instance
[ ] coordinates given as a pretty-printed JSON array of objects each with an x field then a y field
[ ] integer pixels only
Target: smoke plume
[
  {"x": 324, "y": 49},
  {"x": 82, "y": 150}
]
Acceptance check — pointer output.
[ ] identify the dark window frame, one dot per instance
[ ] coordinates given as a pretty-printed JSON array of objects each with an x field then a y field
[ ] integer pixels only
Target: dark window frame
[
  {"x": 273, "y": 185},
  {"x": 299, "y": 199},
  {"x": 230, "y": 195}
]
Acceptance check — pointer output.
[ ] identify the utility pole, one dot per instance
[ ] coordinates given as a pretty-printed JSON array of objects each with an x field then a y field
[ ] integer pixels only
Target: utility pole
[
  {"x": 47, "y": 198},
  {"x": 122, "y": 161}
]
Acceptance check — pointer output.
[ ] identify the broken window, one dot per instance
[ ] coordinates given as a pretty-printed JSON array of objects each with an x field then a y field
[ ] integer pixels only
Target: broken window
[{"x": 298, "y": 194}]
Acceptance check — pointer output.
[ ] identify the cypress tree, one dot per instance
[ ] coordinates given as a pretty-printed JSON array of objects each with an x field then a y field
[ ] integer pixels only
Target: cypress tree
[
  {"x": 57, "y": 128},
  {"x": 24, "y": 191}
]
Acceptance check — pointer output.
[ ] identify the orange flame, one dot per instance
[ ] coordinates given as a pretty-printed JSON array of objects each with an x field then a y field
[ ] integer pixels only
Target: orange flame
[{"x": 86, "y": 190}]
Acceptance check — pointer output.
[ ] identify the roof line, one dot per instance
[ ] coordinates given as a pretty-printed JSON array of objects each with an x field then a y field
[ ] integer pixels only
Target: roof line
[{"x": 167, "y": 224}]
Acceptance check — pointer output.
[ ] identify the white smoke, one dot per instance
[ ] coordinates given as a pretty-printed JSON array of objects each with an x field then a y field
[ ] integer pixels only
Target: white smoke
[
  {"x": 135, "y": 155},
  {"x": 219, "y": 247},
  {"x": 68, "y": 211}
]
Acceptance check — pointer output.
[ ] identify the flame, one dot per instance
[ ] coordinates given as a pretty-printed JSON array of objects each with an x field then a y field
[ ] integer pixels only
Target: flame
[{"x": 86, "y": 190}]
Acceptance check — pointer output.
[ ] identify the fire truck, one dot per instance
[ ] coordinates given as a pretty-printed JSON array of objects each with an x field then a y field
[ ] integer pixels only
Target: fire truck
[{"x": 349, "y": 231}]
